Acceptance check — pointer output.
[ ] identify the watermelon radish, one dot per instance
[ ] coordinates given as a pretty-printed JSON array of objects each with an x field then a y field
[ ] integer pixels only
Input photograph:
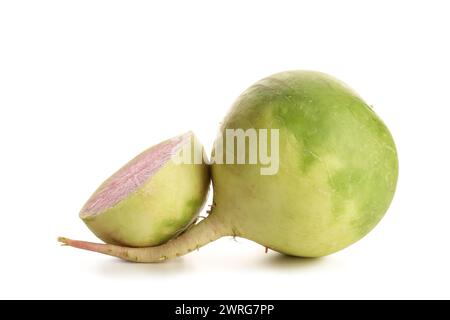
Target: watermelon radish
[
  {"x": 151, "y": 199},
  {"x": 337, "y": 174}
]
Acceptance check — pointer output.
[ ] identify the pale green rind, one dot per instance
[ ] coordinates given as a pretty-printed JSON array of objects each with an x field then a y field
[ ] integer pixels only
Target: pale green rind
[
  {"x": 163, "y": 207},
  {"x": 338, "y": 167}
]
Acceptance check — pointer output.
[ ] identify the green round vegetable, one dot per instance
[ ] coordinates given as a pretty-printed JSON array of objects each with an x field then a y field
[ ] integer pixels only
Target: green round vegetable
[{"x": 336, "y": 177}]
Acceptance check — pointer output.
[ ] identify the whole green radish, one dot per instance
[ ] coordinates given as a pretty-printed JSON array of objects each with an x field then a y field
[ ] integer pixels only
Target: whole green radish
[
  {"x": 336, "y": 175},
  {"x": 337, "y": 169}
]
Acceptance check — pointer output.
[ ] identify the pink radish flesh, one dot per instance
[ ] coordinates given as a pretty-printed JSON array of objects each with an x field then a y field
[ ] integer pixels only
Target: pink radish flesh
[{"x": 132, "y": 176}]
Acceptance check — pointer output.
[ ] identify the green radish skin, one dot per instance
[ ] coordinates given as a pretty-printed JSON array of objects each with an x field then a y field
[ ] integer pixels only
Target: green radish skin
[
  {"x": 159, "y": 209},
  {"x": 337, "y": 175}
]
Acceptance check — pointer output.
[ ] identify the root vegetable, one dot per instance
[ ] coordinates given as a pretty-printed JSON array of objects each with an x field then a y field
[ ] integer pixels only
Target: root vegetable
[
  {"x": 337, "y": 174},
  {"x": 151, "y": 199}
]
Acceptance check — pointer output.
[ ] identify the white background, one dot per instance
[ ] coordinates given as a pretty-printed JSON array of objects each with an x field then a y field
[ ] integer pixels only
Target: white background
[{"x": 86, "y": 85}]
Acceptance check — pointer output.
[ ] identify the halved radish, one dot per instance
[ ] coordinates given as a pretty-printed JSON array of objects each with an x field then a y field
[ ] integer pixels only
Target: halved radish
[{"x": 152, "y": 198}]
